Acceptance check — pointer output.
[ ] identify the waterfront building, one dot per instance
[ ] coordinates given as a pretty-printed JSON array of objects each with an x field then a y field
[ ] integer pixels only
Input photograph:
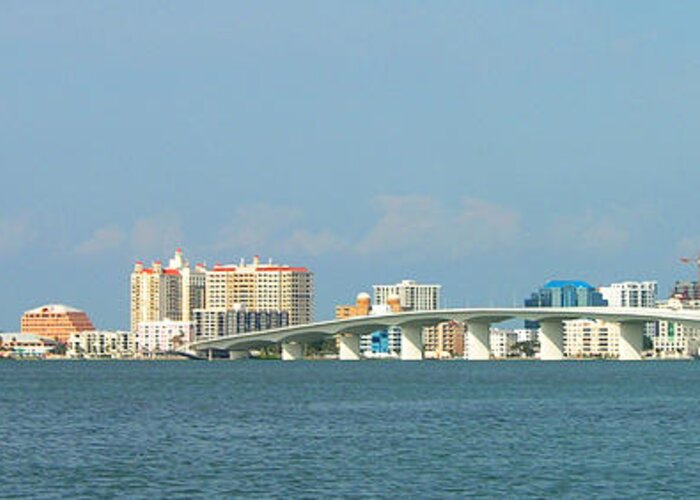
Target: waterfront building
[
  {"x": 503, "y": 343},
  {"x": 213, "y": 323},
  {"x": 160, "y": 337},
  {"x": 55, "y": 321},
  {"x": 262, "y": 287},
  {"x": 101, "y": 344},
  {"x": 172, "y": 292},
  {"x": 444, "y": 341},
  {"x": 675, "y": 339},
  {"x": 591, "y": 339},
  {"x": 25, "y": 345}
]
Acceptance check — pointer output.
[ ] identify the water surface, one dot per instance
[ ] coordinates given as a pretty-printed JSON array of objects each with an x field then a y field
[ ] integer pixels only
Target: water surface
[{"x": 431, "y": 429}]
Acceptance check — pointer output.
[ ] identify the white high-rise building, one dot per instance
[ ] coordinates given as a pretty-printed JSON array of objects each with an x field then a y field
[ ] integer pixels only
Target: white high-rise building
[
  {"x": 631, "y": 294},
  {"x": 413, "y": 296}
]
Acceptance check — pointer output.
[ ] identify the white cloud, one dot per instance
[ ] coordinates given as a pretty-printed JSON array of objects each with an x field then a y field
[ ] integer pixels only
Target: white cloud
[
  {"x": 16, "y": 234},
  {"x": 314, "y": 244},
  {"x": 156, "y": 234},
  {"x": 101, "y": 240},
  {"x": 422, "y": 224},
  {"x": 257, "y": 228},
  {"x": 594, "y": 232}
]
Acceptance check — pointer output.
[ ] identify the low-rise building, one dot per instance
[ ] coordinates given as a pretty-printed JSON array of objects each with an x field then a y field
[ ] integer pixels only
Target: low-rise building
[
  {"x": 101, "y": 344},
  {"x": 674, "y": 340},
  {"x": 503, "y": 343},
  {"x": 585, "y": 338},
  {"x": 25, "y": 345},
  {"x": 161, "y": 337},
  {"x": 211, "y": 323},
  {"x": 444, "y": 341}
]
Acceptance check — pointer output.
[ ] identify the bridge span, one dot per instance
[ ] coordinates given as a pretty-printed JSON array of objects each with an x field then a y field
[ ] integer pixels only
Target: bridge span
[{"x": 477, "y": 320}]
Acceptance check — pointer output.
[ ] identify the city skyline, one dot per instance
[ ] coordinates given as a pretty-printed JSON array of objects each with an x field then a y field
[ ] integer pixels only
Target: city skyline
[{"x": 487, "y": 147}]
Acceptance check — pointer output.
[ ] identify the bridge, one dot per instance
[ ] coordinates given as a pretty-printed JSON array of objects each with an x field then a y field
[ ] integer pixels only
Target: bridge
[{"x": 477, "y": 321}]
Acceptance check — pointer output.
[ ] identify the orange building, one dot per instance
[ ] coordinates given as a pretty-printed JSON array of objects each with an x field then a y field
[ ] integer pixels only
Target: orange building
[
  {"x": 363, "y": 307},
  {"x": 55, "y": 321}
]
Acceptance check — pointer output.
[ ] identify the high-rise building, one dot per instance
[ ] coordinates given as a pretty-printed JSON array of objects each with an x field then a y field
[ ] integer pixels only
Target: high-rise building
[
  {"x": 412, "y": 296},
  {"x": 686, "y": 290},
  {"x": 262, "y": 287},
  {"x": 564, "y": 293},
  {"x": 55, "y": 321},
  {"x": 631, "y": 294},
  {"x": 159, "y": 293}
]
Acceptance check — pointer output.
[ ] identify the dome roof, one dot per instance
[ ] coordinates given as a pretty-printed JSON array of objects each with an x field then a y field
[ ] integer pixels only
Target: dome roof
[
  {"x": 364, "y": 296},
  {"x": 54, "y": 309}
]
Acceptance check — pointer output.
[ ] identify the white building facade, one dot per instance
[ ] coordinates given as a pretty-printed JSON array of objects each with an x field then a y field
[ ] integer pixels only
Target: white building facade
[
  {"x": 413, "y": 296},
  {"x": 675, "y": 340},
  {"x": 101, "y": 344},
  {"x": 162, "y": 337}
]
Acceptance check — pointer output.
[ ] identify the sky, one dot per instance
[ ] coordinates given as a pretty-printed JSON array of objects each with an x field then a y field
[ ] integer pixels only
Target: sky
[{"x": 484, "y": 145}]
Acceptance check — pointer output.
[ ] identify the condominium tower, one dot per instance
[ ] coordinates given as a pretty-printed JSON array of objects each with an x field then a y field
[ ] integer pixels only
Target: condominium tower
[
  {"x": 413, "y": 296},
  {"x": 159, "y": 293},
  {"x": 262, "y": 287}
]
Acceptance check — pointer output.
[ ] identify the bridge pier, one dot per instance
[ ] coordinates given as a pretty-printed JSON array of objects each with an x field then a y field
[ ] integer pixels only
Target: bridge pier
[
  {"x": 411, "y": 343},
  {"x": 478, "y": 341},
  {"x": 631, "y": 341},
  {"x": 292, "y": 351},
  {"x": 349, "y": 347},
  {"x": 551, "y": 340}
]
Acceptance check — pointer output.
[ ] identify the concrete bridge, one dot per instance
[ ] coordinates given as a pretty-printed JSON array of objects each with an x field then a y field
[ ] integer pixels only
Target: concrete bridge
[{"x": 478, "y": 322}]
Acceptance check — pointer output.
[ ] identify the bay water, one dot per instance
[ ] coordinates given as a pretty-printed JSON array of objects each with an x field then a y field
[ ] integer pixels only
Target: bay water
[{"x": 369, "y": 429}]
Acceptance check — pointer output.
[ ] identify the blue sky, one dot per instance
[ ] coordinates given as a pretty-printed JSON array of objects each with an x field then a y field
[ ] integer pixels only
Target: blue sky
[{"x": 487, "y": 146}]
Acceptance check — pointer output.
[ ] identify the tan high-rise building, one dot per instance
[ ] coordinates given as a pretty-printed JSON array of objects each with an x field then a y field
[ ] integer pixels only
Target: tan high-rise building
[
  {"x": 262, "y": 287},
  {"x": 159, "y": 293},
  {"x": 55, "y": 321}
]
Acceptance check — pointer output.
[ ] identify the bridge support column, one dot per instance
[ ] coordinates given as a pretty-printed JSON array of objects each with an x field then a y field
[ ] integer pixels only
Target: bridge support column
[
  {"x": 551, "y": 340},
  {"x": 291, "y": 351},
  {"x": 234, "y": 355},
  {"x": 349, "y": 347},
  {"x": 210, "y": 354},
  {"x": 631, "y": 341},
  {"x": 478, "y": 341},
  {"x": 411, "y": 343}
]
